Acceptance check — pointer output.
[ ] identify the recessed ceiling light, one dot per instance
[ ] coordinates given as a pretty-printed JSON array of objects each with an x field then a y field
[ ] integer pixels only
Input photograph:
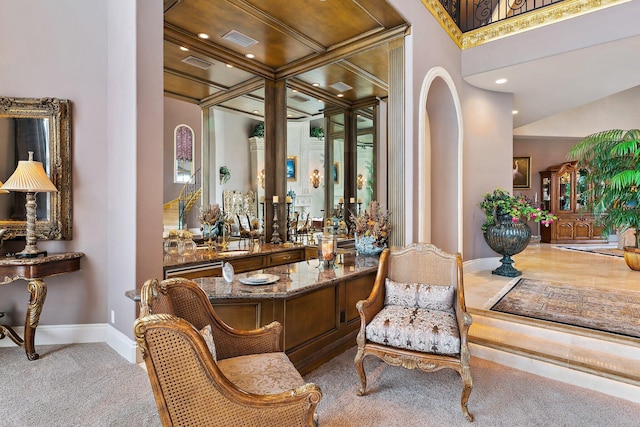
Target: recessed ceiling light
[
  {"x": 294, "y": 90},
  {"x": 501, "y": 81},
  {"x": 340, "y": 95},
  {"x": 320, "y": 100},
  {"x": 316, "y": 84},
  {"x": 514, "y": 112},
  {"x": 250, "y": 55},
  {"x": 229, "y": 66},
  {"x": 255, "y": 111},
  {"x": 203, "y": 35},
  {"x": 184, "y": 49}
]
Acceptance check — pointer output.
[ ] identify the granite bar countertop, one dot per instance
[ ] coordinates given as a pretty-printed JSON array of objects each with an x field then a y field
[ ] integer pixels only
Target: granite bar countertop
[{"x": 293, "y": 279}]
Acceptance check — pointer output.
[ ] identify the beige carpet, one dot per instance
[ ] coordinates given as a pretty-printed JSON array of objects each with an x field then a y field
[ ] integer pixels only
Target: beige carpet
[
  {"x": 91, "y": 385},
  {"x": 608, "y": 310}
]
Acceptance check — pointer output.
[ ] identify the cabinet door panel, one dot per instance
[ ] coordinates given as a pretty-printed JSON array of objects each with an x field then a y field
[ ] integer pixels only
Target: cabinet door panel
[
  {"x": 311, "y": 316},
  {"x": 239, "y": 315},
  {"x": 357, "y": 290},
  {"x": 565, "y": 230},
  {"x": 582, "y": 230}
]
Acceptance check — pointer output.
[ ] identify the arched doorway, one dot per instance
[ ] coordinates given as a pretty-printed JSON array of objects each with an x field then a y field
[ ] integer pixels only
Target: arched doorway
[{"x": 440, "y": 162}]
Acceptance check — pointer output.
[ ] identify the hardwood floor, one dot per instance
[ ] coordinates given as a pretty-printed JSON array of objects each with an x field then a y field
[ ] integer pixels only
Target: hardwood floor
[{"x": 605, "y": 362}]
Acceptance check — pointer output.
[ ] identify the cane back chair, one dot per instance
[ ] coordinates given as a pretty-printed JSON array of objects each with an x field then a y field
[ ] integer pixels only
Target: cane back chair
[
  {"x": 204, "y": 372},
  {"x": 416, "y": 316}
]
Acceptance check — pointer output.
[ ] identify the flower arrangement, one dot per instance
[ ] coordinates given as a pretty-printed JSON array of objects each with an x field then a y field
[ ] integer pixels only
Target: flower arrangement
[
  {"x": 518, "y": 207},
  {"x": 212, "y": 220},
  {"x": 373, "y": 223}
]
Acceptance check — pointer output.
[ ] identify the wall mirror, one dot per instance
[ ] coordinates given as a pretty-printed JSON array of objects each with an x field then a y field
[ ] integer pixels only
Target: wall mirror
[{"x": 41, "y": 125}]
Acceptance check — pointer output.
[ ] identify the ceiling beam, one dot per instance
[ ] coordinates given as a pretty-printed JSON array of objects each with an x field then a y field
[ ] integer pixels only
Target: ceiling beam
[
  {"x": 233, "y": 92},
  {"x": 277, "y": 24},
  {"x": 180, "y": 37},
  {"x": 340, "y": 52},
  {"x": 206, "y": 82},
  {"x": 364, "y": 74},
  {"x": 317, "y": 93}
]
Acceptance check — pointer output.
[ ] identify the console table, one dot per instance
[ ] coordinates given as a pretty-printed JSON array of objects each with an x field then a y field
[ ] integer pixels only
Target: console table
[{"x": 34, "y": 270}]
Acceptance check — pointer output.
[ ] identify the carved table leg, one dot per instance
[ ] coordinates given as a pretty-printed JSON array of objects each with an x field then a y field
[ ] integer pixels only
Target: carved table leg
[{"x": 38, "y": 290}]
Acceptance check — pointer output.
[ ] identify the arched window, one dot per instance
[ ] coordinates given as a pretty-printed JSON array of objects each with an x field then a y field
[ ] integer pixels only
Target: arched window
[{"x": 183, "y": 153}]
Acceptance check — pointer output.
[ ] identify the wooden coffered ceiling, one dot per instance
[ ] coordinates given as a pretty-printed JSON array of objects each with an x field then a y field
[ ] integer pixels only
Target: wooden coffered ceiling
[{"x": 318, "y": 46}]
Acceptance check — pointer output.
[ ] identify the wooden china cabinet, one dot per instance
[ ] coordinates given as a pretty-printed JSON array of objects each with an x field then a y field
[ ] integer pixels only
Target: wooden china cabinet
[{"x": 563, "y": 193}]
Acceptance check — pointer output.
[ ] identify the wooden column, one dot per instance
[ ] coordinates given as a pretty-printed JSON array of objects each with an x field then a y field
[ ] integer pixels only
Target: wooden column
[
  {"x": 275, "y": 155},
  {"x": 396, "y": 148}
]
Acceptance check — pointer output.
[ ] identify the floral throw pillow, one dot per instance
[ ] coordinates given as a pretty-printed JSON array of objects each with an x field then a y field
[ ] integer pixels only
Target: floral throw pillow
[
  {"x": 420, "y": 295},
  {"x": 208, "y": 339}
]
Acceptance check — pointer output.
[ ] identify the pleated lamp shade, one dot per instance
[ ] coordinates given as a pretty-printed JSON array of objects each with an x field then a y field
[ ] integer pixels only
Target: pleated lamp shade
[{"x": 29, "y": 177}]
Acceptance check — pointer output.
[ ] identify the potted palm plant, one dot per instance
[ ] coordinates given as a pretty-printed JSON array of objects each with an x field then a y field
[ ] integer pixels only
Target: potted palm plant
[{"x": 612, "y": 159}]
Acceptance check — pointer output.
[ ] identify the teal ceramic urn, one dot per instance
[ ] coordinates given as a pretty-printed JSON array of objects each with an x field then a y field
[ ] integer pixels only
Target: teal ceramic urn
[{"x": 507, "y": 238}]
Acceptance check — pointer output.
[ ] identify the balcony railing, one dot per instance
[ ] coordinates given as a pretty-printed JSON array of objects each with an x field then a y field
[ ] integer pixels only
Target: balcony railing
[{"x": 470, "y": 15}]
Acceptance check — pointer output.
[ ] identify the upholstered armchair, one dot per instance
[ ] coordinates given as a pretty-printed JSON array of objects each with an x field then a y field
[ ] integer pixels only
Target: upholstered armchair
[
  {"x": 204, "y": 372},
  {"x": 416, "y": 316}
]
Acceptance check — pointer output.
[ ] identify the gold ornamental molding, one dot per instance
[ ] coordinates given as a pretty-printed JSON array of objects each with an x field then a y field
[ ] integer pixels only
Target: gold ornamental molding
[{"x": 527, "y": 21}]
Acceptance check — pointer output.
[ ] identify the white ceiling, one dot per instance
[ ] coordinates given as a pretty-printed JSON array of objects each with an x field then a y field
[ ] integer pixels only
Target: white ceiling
[{"x": 564, "y": 66}]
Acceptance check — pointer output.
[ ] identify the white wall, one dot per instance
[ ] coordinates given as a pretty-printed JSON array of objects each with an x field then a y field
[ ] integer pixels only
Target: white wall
[
  {"x": 177, "y": 113},
  {"x": 487, "y": 126},
  {"x": 232, "y": 132},
  {"x": 45, "y": 54},
  {"x": 106, "y": 57}
]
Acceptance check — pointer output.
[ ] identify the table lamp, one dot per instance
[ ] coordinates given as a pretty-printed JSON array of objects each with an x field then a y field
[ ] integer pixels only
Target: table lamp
[{"x": 30, "y": 178}]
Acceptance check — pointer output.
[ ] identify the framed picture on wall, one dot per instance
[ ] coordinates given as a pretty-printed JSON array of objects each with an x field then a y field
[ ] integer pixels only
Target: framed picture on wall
[
  {"x": 292, "y": 168},
  {"x": 336, "y": 172},
  {"x": 522, "y": 172}
]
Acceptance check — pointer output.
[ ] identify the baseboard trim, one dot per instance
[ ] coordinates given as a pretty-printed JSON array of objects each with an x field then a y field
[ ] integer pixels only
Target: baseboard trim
[
  {"x": 122, "y": 344},
  {"x": 481, "y": 264},
  {"x": 63, "y": 334},
  {"x": 76, "y": 334}
]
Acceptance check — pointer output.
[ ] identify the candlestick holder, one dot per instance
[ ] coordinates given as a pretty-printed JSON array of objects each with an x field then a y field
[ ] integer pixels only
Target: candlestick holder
[
  {"x": 263, "y": 232},
  {"x": 275, "y": 236},
  {"x": 289, "y": 237},
  {"x": 327, "y": 249}
]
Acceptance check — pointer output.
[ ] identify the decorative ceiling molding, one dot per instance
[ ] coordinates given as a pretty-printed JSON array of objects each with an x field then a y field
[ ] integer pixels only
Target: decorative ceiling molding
[
  {"x": 446, "y": 22},
  {"x": 527, "y": 21}
]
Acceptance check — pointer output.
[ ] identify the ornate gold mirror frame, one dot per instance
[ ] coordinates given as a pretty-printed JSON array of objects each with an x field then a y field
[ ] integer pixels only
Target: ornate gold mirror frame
[{"x": 56, "y": 113}]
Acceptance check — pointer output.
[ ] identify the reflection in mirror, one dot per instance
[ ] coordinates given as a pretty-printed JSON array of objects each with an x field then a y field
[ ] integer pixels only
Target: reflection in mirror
[
  {"x": 183, "y": 140},
  {"x": 565, "y": 192},
  {"x": 335, "y": 164},
  {"x": 41, "y": 126},
  {"x": 365, "y": 160}
]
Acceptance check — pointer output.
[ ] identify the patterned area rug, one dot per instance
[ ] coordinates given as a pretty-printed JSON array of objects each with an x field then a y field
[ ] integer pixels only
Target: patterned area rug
[{"x": 600, "y": 309}]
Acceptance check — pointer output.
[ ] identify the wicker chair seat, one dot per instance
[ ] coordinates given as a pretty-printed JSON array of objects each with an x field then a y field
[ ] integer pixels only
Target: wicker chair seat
[
  {"x": 266, "y": 373},
  {"x": 417, "y": 329}
]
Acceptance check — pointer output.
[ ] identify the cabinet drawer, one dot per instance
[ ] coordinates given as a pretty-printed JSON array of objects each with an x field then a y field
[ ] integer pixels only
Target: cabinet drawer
[
  {"x": 286, "y": 257},
  {"x": 248, "y": 264},
  {"x": 193, "y": 272}
]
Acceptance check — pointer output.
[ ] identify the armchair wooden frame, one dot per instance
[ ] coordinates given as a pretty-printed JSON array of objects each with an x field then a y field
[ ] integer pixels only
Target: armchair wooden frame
[
  {"x": 187, "y": 383},
  {"x": 417, "y": 263}
]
